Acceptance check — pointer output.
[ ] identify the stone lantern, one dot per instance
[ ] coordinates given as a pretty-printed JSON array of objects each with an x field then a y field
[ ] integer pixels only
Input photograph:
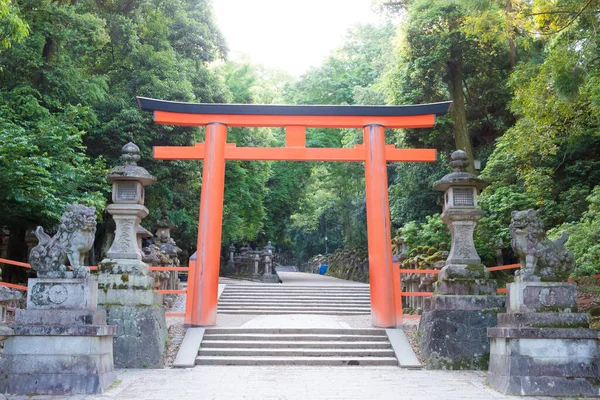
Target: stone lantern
[
  {"x": 230, "y": 267},
  {"x": 128, "y": 208},
  {"x": 126, "y": 286},
  {"x": 454, "y": 326},
  {"x": 268, "y": 274},
  {"x": 163, "y": 228},
  {"x": 460, "y": 214},
  {"x": 269, "y": 248}
]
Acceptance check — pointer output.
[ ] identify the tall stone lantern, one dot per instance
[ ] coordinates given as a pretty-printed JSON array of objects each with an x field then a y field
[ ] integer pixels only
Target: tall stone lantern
[
  {"x": 127, "y": 289},
  {"x": 461, "y": 214},
  {"x": 128, "y": 182},
  {"x": 464, "y": 303}
]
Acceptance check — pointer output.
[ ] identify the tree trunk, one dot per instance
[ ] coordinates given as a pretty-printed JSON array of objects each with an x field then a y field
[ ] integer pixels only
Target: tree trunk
[
  {"x": 17, "y": 251},
  {"x": 512, "y": 48},
  {"x": 458, "y": 111}
]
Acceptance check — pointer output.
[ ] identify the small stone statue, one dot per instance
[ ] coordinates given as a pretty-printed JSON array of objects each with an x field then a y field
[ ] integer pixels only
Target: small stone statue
[
  {"x": 541, "y": 258},
  {"x": 74, "y": 238}
]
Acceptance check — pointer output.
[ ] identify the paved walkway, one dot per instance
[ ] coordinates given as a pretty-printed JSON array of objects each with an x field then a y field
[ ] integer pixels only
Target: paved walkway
[
  {"x": 296, "y": 383},
  {"x": 306, "y": 279}
]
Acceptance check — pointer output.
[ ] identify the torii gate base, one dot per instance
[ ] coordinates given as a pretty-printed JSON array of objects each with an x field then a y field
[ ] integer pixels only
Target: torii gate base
[{"x": 202, "y": 294}]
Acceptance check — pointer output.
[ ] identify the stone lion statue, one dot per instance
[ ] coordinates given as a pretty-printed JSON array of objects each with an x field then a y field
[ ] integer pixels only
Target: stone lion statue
[
  {"x": 74, "y": 238},
  {"x": 541, "y": 258}
]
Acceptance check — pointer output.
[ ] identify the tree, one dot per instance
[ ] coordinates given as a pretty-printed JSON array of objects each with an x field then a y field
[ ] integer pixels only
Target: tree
[
  {"x": 12, "y": 26},
  {"x": 437, "y": 58},
  {"x": 45, "y": 112}
]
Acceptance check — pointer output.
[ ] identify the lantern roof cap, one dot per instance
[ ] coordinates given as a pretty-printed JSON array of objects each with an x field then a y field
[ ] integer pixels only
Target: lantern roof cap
[
  {"x": 130, "y": 171},
  {"x": 460, "y": 177}
]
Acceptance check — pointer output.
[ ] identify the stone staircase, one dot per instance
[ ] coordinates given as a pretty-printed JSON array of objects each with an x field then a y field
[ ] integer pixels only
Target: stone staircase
[
  {"x": 274, "y": 299},
  {"x": 295, "y": 346}
]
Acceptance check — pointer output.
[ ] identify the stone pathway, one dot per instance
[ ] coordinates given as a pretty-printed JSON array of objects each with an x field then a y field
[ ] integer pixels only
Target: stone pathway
[{"x": 295, "y": 383}]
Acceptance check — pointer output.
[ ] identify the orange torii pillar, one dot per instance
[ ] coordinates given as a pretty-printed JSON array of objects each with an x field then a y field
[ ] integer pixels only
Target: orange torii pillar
[
  {"x": 386, "y": 302},
  {"x": 210, "y": 224}
]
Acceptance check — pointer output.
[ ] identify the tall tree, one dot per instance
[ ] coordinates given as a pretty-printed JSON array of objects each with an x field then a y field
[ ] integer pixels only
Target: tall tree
[{"x": 437, "y": 59}]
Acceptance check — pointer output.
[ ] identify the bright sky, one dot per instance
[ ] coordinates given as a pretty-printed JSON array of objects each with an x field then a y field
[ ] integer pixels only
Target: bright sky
[{"x": 288, "y": 34}]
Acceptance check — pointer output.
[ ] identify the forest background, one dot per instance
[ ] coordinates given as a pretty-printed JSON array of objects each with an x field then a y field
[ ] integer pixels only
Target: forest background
[{"x": 524, "y": 77}]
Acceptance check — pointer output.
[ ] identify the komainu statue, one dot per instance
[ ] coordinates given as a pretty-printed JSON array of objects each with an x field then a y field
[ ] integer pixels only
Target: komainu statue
[
  {"x": 74, "y": 238},
  {"x": 541, "y": 258}
]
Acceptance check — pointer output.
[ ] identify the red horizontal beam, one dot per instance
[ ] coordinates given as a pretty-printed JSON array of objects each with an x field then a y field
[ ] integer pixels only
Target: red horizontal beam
[
  {"x": 309, "y": 121},
  {"x": 232, "y": 152}
]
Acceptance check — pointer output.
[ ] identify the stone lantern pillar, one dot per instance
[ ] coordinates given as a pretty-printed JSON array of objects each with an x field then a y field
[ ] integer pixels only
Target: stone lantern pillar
[
  {"x": 230, "y": 267},
  {"x": 126, "y": 287},
  {"x": 269, "y": 275},
  {"x": 461, "y": 214},
  {"x": 465, "y": 303}
]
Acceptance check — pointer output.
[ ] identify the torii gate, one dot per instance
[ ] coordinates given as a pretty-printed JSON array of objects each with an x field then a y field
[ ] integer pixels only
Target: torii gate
[{"x": 203, "y": 282}]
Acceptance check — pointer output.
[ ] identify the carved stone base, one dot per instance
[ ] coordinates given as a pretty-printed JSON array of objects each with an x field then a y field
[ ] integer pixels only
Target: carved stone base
[
  {"x": 546, "y": 353},
  {"x": 544, "y": 361},
  {"x": 454, "y": 332},
  {"x": 541, "y": 297},
  {"x": 57, "y": 364},
  {"x": 138, "y": 313},
  {"x": 474, "y": 287},
  {"x": 62, "y": 293},
  {"x": 61, "y": 343},
  {"x": 140, "y": 337}
]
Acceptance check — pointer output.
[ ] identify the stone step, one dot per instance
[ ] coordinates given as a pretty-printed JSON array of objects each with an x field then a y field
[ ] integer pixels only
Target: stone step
[
  {"x": 295, "y": 352},
  {"x": 297, "y": 294},
  {"x": 284, "y": 311},
  {"x": 264, "y": 337},
  {"x": 279, "y": 285},
  {"x": 321, "y": 292},
  {"x": 286, "y": 344},
  {"x": 271, "y": 360},
  {"x": 365, "y": 299},
  {"x": 293, "y": 302},
  {"x": 324, "y": 331},
  {"x": 303, "y": 291},
  {"x": 322, "y": 307}
]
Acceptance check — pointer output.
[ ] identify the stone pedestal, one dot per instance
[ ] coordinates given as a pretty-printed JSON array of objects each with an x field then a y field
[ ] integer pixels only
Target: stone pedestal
[
  {"x": 136, "y": 310},
  {"x": 268, "y": 275},
  {"x": 454, "y": 330},
  {"x": 542, "y": 346},
  {"x": 6, "y": 295},
  {"x": 61, "y": 343}
]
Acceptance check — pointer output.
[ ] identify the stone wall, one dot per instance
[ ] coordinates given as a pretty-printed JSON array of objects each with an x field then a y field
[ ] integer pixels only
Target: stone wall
[{"x": 349, "y": 264}]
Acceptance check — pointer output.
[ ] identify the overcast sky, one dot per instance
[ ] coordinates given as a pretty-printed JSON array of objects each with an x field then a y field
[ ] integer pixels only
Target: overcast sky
[{"x": 288, "y": 34}]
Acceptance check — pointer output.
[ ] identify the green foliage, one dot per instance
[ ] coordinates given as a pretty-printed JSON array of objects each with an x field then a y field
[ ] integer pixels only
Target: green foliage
[
  {"x": 584, "y": 237},
  {"x": 12, "y": 27},
  {"x": 432, "y": 232},
  {"x": 43, "y": 163},
  {"x": 412, "y": 196},
  {"x": 438, "y": 58}
]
